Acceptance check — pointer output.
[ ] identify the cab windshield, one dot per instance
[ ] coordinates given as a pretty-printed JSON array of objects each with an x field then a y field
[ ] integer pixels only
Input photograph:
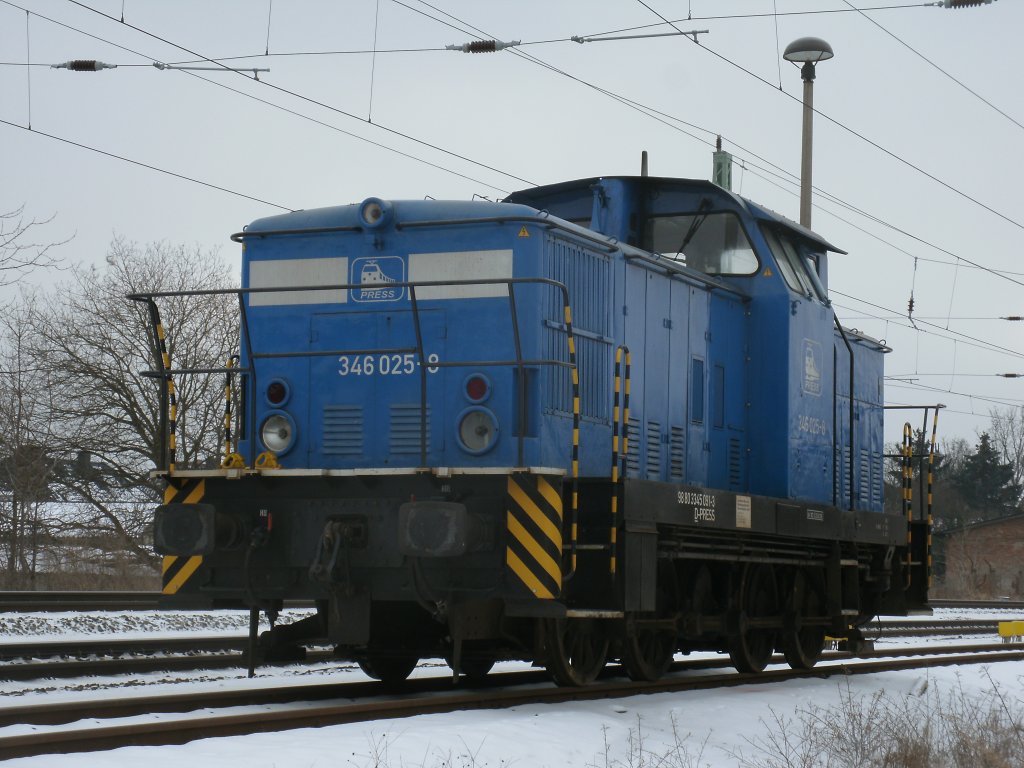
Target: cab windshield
[{"x": 713, "y": 243}]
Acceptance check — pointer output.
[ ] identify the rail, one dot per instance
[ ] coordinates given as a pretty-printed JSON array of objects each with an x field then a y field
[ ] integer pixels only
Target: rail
[{"x": 334, "y": 703}]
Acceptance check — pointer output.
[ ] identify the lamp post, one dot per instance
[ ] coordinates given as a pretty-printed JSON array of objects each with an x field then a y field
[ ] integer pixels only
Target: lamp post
[{"x": 807, "y": 51}]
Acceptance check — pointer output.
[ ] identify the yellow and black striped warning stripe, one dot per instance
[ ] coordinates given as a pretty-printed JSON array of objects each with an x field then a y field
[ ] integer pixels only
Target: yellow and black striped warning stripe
[
  {"x": 533, "y": 554},
  {"x": 908, "y": 493},
  {"x": 172, "y": 396},
  {"x": 620, "y": 352},
  {"x": 177, "y": 570},
  {"x": 931, "y": 482}
]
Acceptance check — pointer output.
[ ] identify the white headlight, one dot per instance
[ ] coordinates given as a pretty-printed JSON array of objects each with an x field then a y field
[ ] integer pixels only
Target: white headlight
[
  {"x": 277, "y": 433},
  {"x": 478, "y": 430}
]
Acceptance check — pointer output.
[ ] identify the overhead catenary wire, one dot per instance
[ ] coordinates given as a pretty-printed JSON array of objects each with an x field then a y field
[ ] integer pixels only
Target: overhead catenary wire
[
  {"x": 265, "y": 102},
  {"x": 309, "y": 99},
  {"x": 961, "y": 338},
  {"x": 931, "y": 63},
  {"x": 1005, "y": 401},
  {"x": 899, "y": 158},
  {"x": 141, "y": 164}
]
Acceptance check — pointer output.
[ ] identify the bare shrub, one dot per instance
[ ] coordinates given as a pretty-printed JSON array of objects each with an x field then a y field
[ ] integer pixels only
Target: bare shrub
[
  {"x": 642, "y": 755},
  {"x": 928, "y": 730}
]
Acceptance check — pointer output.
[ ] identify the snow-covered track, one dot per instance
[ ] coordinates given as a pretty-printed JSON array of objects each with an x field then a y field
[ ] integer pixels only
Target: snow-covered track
[{"x": 332, "y": 703}]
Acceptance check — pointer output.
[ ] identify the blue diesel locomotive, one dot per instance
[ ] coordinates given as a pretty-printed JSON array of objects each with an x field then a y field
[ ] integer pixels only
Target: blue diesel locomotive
[{"x": 612, "y": 418}]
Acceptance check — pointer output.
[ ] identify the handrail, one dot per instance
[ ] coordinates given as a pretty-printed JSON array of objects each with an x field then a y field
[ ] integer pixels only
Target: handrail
[
  {"x": 168, "y": 399},
  {"x": 849, "y": 349}
]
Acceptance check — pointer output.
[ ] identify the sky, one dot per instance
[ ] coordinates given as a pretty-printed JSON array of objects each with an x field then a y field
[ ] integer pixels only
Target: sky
[
  {"x": 918, "y": 140},
  {"x": 720, "y": 728}
]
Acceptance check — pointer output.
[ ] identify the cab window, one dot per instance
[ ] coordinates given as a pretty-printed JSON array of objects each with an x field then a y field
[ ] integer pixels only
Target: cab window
[{"x": 713, "y": 243}]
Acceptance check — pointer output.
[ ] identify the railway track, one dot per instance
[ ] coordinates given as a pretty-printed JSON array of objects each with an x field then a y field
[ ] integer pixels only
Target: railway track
[
  {"x": 21, "y": 601},
  {"x": 334, "y": 703},
  {"x": 108, "y": 656}
]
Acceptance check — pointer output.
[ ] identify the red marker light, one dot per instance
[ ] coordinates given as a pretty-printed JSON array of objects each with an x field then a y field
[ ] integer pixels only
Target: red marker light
[
  {"x": 476, "y": 388},
  {"x": 276, "y": 392}
]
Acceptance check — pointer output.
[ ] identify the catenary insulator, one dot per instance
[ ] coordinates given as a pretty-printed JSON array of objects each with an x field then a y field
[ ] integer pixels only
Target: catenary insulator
[
  {"x": 482, "y": 46},
  {"x": 84, "y": 65}
]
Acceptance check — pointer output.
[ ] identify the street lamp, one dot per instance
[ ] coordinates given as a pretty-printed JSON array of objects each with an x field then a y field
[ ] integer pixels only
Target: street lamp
[{"x": 807, "y": 51}]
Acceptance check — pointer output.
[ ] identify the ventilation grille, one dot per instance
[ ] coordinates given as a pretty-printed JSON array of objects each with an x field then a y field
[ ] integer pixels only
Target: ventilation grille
[
  {"x": 864, "y": 487},
  {"x": 677, "y": 454},
  {"x": 877, "y": 498},
  {"x": 653, "y": 450},
  {"x": 735, "y": 465},
  {"x": 343, "y": 430},
  {"x": 633, "y": 449},
  {"x": 587, "y": 275},
  {"x": 846, "y": 484},
  {"x": 404, "y": 436}
]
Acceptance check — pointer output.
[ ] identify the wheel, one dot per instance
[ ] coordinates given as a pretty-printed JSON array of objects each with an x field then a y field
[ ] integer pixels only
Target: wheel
[
  {"x": 390, "y": 670},
  {"x": 476, "y": 669},
  {"x": 750, "y": 648},
  {"x": 576, "y": 650},
  {"x": 648, "y": 653},
  {"x": 802, "y": 647},
  {"x": 474, "y": 665}
]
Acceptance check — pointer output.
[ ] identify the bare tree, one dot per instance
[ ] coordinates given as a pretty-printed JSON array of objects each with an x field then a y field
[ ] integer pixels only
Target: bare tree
[
  {"x": 27, "y": 458},
  {"x": 20, "y": 255},
  {"x": 94, "y": 344},
  {"x": 1007, "y": 434}
]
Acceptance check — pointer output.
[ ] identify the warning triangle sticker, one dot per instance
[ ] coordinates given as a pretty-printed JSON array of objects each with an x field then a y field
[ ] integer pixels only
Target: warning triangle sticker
[
  {"x": 767, "y": 272},
  {"x": 523, "y": 232}
]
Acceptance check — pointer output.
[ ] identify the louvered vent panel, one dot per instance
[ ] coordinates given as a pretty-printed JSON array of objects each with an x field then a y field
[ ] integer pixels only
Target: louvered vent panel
[
  {"x": 343, "y": 430},
  {"x": 404, "y": 435},
  {"x": 735, "y": 465},
  {"x": 587, "y": 275},
  {"x": 633, "y": 449},
  {"x": 677, "y": 454},
  {"x": 844, "y": 474},
  {"x": 653, "y": 450},
  {"x": 877, "y": 499},
  {"x": 864, "y": 486}
]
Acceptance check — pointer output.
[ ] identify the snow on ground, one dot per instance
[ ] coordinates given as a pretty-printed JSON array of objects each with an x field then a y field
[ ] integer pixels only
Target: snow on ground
[{"x": 704, "y": 728}]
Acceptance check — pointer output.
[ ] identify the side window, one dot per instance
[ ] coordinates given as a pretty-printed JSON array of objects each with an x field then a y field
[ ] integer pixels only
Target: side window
[
  {"x": 697, "y": 391},
  {"x": 785, "y": 267},
  {"x": 718, "y": 396},
  {"x": 799, "y": 270}
]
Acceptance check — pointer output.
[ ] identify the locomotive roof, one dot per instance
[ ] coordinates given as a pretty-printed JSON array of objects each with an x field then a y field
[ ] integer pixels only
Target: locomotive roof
[
  {"x": 534, "y": 195},
  {"x": 524, "y": 202},
  {"x": 405, "y": 210}
]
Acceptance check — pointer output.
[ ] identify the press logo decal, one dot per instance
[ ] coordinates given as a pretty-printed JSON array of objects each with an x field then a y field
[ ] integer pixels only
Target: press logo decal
[
  {"x": 376, "y": 277},
  {"x": 812, "y": 367}
]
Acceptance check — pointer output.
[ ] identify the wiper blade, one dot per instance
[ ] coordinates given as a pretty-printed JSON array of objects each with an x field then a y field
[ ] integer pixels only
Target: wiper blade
[{"x": 698, "y": 220}]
